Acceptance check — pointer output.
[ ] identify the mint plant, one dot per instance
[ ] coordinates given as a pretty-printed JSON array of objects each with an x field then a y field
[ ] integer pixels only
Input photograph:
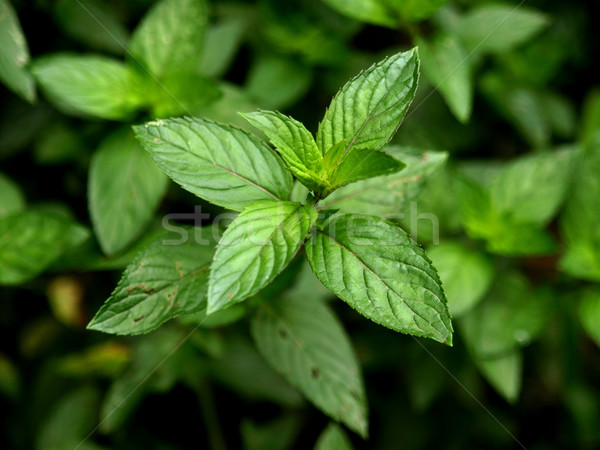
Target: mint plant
[{"x": 370, "y": 263}]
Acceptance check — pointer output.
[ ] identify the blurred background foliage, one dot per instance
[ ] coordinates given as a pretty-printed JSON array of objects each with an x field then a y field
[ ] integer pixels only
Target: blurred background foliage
[{"x": 504, "y": 142}]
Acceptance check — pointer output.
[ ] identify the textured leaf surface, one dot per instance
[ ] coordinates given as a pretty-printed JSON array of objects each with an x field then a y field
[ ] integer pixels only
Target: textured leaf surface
[
  {"x": 256, "y": 247},
  {"x": 86, "y": 84},
  {"x": 333, "y": 438},
  {"x": 125, "y": 187},
  {"x": 165, "y": 280},
  {"x": 11, "y": 197},
  {"x": 294, "y": 143},
  {"x": 221, "y": 164},
  {"x": 466, "y": 275},
  {"x": 386, "y": 195},
  {"x": 304, "y": 341},
  {"x": 375, "y": 267},
  {"x": 14, "y": 54},
  {"x": 368, "y": 110},
  {"x": 445, "y": 62},
  {"x": 30, "y": 241},
  {"x": 170, "y": 37}
]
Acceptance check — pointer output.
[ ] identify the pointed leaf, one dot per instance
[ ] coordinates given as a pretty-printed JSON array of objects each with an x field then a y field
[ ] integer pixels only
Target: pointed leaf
[
  {"x": 256, "y": 247},
  {"x": 30, "y": 241},
  {"x": 294, "y": 143},
  {"x": 375, "y": 267},
  {"x": 589, "y": 314},
  {"x": 14, "y": 54},
  {"x": 170, "y": 37},
  {"x": 333, "y": 438},
  {"x": 368, "y": 110},
  {"x": 304, "y": 341},
  {"x": 125, "y": 187},
  {"x": 165, "y": 280},
  {"x": 504, "y": 374},
  {"x": 221, "y": 164},
  {"x": 11, "y": 197}
]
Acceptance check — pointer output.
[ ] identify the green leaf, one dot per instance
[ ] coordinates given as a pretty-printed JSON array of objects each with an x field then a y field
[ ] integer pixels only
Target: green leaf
[
  {"x": 221, "y": 164},
  {"x": 371, "y": 11},
  {"x": 301, "y": 338},
  {"x": 124, "y": 188},
  {"x": 11, "y": 197},
  {"x": 510, "y": 317},
  {"x": 294, "y": 143},
  {"x": 387, "y": 195},
  {"x": 504, "y": 374},
  {"x": 590, "y": 123},
  {"x": 170, "y": 37},
  {"x": 165, "y": 280},
  {"x": 277, "y": 434},
  {"x": 256, "y": 247},
  {"x": 221, "y": 43},
  {"x": 499, "y": 28},
  {"x": 333, "y": 438},
  {"x": 30, "y": 241},
  {"x": 375, "y": 267},
  {"x": 589, "y": 314},
  {"x": 93, "y": 85},
  {"x": 14, "y": 54},
  {"x": 368, "y": 110},
  {"x": 532, "y": 188},
  {"x": 466, "y": 275},
  {"x": 414, "y": 10},
  {"x": 445, "y": 63}
]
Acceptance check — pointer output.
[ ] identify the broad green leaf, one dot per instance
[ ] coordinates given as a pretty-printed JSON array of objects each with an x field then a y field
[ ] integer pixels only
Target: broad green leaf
[
  {"x": 589, "y": 314},
  {"x": 532, "y": 188},
  {"x": 590, "y": 123},
  {"x": 276, "y": 82},
  {"x": 221, "y": 43},
  {"x": 301, "y": 338},
  {"x": 361, "y": 164},
  {"x": 333, "y": 438},
  {"x": 446, "y": 64},
  {"x": 170, "y": 37},
  {"x": 277, "y": 434},
  {"x": 510, "y": 316},
  {"x": 11, "y": 197},
  {"x": 375, "y": 267},
  {"x": 387, "y": 195},
  {"x": 498, "y": 28},
  {"x": 182, "y": 93},
  {"x": 165, "y": 280},
  {"x": 219, "y": 163},
  {"x": 93, "y": 85},
  {"x": 14, "y": 54},
  {"x": 371, "y": 11},
  {"x": 294, "y": 143},
  {"x": 124, "y": 189},
  {"x": 256, "y": 247},
  {"x": 504, "y": 374},
  {"x": 30, "y": 241},
  {"x": 368, "y": 110},
  {"x": 414, "y": 10},
  {"x": 465, "y": 273},
  {"x": 94, "y": 23}
]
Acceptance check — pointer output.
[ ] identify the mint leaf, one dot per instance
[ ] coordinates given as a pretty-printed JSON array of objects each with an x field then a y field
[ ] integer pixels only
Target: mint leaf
[
  {"x": 11, "y": 197},
  {"x": 30, "y": 241},
  {"x": 255, "y": 248},
  {"x": 165, "y": 280},
  {"x": 387, "y": 195},
  {"x": 368, "y": 110},
  {"x": 504, "y": 374},
  {"x": 446, "y": 64},
  {"x": 466, "y": 275},
  {"x": 181, "y": 93},
  {"x": 333, "y": 438},
  {"x": 371, "y": 11},
  {"x": 221, "y": 43},
  {"x": 221, "y": 164},
  {"x": 589, "y": 313},
  {"x": 414, "y": 10},
  {"x": 170, "y": 37},
  {"x": 14, "y": 54},
  {"x": 304, "y": 341},
  {"x": 93, "y": 85},
  {"x": 360, "y": 258},
  {"x": 294, "y": 143},
  {"x": 498, "y": 28},
  {"x": 125, "y": 187}
]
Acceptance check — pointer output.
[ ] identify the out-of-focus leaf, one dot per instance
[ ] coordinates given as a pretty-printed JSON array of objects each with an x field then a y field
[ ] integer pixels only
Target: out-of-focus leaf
[
  {"x": 589, "y": 314},
  {"x": 181, "y": 93},
  {"x": 10, "y": 383},
  {"x": 504, "y": 374},
  {"x": 589, "y": 134},
  {"x": 30, "y": 241},
  {"x": 14, "y": 54},
  {"x": 333, "y": 438},
  {"x": 106, "y": 359},
  {"x": 465, "y": 273},
  {"x": 221, "y": 43},
  {"x": 58, "y": 144},
  {"x": 12, "y": 199},
  {"x": 372, "y": 11},
  {"x": 65, "y": 295},
  {"x": 124, "y": 188},
  {"x": 277, "y": 434}
]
